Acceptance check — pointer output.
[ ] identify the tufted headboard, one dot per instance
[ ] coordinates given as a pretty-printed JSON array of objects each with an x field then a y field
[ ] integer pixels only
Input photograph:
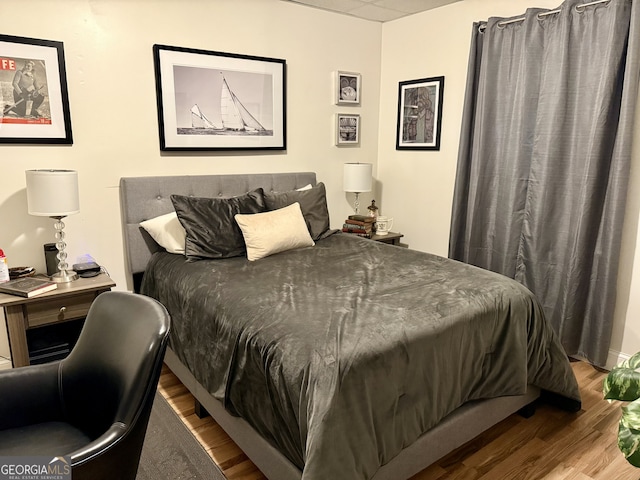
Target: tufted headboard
[{"x": 142, "y": 198}]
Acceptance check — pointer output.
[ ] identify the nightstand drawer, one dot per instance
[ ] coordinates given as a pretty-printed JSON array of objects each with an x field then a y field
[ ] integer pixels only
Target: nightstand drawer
[{"x": 58, "y": 309}]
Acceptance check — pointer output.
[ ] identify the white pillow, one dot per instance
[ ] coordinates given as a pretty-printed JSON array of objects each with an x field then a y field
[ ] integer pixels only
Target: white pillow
[
  {"x": 167, "y": 231},
  {"x": 308, "y": 186},
  {"x": 273, "y": 232}
]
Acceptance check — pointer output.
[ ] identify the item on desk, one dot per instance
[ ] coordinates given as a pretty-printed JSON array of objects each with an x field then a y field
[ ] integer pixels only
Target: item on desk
[
  {"x": 27, "y": 287},
  {"x": 4, "y": 268},
  {"x": 361, "y": 218},
  {"x": 21, "y": 272},
  {"x": 383, "y": 225},
  {"x": 358, "y": 223},
  {"x": 358, "y": 231},
  {"x": 87, "y": 269},
  {"x": 373, "y": 213},
  {"x": 361, "y": 225},
  {"x": 353, "y": 225},
  {"x": 350, "y": 224},
  {"x": 373, "y": 209},
  {"x": 50, "y": 258}
]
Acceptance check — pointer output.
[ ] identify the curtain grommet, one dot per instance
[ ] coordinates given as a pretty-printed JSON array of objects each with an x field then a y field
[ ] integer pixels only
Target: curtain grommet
[{"x": 581, "y": 8}]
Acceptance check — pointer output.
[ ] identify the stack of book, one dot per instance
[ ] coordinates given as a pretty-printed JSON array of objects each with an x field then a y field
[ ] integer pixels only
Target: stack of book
[{"x": 361, "y": 225}]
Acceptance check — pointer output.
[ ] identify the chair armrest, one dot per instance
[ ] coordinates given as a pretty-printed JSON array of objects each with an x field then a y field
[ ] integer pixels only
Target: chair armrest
[
  {"x": 29, "y": 395},
  {"x": 100, "y": 445},
  {"x": 106, "y": 456}
]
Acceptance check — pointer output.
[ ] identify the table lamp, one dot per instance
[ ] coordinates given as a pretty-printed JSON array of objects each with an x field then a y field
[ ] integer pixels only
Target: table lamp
[
  {"x": 357, "y": 179},
  {"x": 54, "y": 193}
]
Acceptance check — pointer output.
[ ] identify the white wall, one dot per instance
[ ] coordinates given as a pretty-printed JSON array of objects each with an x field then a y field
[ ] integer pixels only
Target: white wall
[
  {"x": 108, "y": 50},
  {"x": 417, "y": 187}
]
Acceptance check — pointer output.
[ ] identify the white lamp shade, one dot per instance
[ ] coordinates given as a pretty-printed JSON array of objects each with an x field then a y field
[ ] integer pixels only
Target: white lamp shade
[
  {"x": 52, "y": 193},
  {"x": 357, "y": 177}
]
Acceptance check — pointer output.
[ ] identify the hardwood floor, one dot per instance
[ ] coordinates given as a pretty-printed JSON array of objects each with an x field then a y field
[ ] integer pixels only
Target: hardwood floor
[{"x": 552, "y": 444}]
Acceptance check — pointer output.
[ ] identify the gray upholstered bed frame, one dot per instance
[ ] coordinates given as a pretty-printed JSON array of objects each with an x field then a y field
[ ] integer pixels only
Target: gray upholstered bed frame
[{"x": 147, "y": 197}]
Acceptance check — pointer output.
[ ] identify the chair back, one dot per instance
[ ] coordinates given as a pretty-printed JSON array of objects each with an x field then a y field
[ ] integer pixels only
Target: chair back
[{"x": 108, "y": 381}]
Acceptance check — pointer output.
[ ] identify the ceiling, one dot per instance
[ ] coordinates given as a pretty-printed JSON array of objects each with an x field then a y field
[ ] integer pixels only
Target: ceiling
[{"x": 377, "y": 10}]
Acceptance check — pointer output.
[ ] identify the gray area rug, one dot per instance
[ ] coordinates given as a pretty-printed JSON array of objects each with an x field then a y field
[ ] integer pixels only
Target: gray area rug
[{"x": 170, "y": 450}]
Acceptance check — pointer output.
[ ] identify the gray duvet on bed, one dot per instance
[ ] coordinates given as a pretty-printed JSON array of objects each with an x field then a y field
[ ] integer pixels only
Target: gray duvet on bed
[{"x": 344, "y": 353}]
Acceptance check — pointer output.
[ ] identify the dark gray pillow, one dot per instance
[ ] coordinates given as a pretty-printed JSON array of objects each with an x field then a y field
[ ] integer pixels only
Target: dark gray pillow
[
  {"x": 212, "y": 231},
  {"x": 313, "y": 203}
]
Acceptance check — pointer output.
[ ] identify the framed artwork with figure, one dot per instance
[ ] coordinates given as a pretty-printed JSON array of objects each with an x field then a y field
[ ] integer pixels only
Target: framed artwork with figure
[
  {"x": 420, "y": 114},
  {"x": 348, "y": 86},
  {"x": 34, "y": 100}
]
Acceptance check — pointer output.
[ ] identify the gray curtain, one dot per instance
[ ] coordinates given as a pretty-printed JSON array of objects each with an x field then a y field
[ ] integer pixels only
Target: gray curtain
[{"x": 544, "y": 158}]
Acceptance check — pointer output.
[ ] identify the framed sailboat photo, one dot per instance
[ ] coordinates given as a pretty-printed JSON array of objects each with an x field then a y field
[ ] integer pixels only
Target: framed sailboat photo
[{"x": 219, "y": 101}]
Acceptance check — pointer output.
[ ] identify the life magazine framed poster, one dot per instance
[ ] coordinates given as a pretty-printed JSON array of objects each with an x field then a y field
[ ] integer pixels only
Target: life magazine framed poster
[
  {"x": 219, "y": 101},
  {"x": 33, "y": 92},
  {"x": 420, "y": 114}
]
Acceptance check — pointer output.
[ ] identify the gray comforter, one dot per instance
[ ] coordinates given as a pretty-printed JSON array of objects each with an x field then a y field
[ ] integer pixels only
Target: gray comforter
[{"x": 344, "y": 353}]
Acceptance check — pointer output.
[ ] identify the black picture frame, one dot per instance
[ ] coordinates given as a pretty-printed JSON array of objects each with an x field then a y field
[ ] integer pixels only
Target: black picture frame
[
  {"x": 210, "y": 100},
  {"x": 37, "y": 110},
  {"x": 420, "y": 114}
]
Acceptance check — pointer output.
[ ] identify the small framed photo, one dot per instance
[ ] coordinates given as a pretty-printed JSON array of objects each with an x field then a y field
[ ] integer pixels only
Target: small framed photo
[
  {"x": 34, "y": 100},
  {"x": 420, "y": 114},
  {"x": 219, "y": 101},
  {"x": 347, "y": 129},
  {"x": 348, "y": 86}
]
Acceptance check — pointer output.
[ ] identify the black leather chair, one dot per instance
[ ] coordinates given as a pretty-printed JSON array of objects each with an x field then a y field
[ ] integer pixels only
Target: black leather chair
[{"x": 94, "y": 405}]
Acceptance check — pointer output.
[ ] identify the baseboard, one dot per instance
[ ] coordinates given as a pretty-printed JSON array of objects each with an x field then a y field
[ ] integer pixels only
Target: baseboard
[
  {"x": 5, "y": 363},
  {"x": 615, "y": 358}
]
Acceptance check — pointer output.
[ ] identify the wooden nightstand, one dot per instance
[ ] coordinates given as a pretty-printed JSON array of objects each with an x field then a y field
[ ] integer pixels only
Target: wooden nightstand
[
  {"x": 392, "y": 237},
  {"x": 70, "y": 301}
]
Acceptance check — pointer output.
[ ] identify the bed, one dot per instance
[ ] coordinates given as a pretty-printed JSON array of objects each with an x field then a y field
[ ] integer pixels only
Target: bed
[{"x": 343, "y": 358}]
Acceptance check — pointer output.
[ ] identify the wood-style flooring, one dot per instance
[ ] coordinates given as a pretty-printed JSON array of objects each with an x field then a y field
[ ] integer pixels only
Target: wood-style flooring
[{"x": 552, "y": 444}]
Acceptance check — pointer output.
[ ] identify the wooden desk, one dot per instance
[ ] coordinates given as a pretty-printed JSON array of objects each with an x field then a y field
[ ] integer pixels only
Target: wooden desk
[
  {"x": 70, "y": 301},
  {"x": 392, "y": 237}
]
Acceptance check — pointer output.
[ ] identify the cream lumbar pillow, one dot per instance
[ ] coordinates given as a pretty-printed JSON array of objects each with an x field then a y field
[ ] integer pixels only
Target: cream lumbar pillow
[
  {"x": 274, "y": 232},
  {"x": 167, "y": 231}
]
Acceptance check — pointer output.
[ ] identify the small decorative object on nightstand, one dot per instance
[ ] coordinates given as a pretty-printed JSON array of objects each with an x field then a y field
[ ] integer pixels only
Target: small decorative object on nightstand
[
  {"x": 383, "y": 225},
  {"x": 373, "y": 213},
  {"x": 373, "y": 209},
  {"x": 21, "y": 272}
]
